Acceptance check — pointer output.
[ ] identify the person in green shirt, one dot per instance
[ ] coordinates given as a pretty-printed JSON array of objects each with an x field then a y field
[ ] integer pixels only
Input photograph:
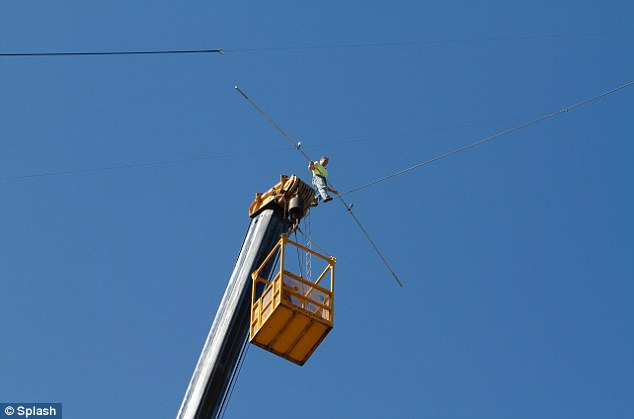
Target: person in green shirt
[{"x": 320, "y": 180}]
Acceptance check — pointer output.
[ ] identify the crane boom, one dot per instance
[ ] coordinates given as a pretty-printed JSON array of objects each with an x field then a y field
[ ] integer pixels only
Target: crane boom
[{"x": 270, "y": 218}]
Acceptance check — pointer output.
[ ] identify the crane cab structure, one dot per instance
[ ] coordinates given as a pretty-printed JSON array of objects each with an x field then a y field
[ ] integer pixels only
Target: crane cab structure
[{"x": 293, "y": 314}]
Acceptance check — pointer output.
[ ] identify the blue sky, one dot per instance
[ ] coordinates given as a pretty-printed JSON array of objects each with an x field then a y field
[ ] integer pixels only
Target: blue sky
[{"x": 516, "y": 256}]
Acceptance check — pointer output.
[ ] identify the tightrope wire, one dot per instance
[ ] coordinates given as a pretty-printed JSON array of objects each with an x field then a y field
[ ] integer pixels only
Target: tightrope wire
[
  {"x": 326, "y": 46},
  {"x": 517, "y": 128},
  {"x": 87, "y": 53}
]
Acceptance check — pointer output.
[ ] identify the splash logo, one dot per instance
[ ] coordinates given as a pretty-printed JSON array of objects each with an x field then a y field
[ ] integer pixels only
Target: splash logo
[{"x": 30, "y": 410}]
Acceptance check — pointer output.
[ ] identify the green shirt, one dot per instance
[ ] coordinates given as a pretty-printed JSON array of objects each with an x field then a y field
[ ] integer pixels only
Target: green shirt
[{"x": 319, "y": 170}]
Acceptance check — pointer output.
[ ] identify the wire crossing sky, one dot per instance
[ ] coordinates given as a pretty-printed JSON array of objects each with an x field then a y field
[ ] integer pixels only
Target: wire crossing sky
[
  {"x": 195, "y": 159},
  {"x": 438, "y": 41},
  {"x": 222, "y": 51},
  {"x": 89, "y": 53},
  {"x": 334, "y": 46},
  {"x": 517, "y": 128},
  {"x": 249, "y": 153}
]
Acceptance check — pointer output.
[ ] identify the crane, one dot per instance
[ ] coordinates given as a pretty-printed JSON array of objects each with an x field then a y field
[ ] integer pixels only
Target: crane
[{"x": 272, "y": 319}]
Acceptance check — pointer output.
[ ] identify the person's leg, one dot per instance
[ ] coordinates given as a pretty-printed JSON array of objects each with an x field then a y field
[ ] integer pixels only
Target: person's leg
[{"x": 320, "y": 184}]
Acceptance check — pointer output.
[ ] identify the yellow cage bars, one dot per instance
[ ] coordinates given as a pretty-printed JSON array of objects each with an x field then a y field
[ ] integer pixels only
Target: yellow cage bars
[{"x": 293, "y": 315}]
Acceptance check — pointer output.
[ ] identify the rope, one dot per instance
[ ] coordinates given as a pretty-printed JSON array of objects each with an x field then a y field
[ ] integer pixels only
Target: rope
[
  {"x": 246, "y": 153},
  {"x": 135, "y": 165},
  {"x": 309, "y": 245},
  {"x": 332, "y": 46},
  {"x": 86, "y": 53},
  {"x": 229, "y": 155},
  {"x": 517, "y": 128},
  {"x": 299, "y": 258},
  {"x": 433, "y": 42}
]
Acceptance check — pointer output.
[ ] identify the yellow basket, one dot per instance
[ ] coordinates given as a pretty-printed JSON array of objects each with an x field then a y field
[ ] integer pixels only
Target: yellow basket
[{"x": 293, "y": 315}]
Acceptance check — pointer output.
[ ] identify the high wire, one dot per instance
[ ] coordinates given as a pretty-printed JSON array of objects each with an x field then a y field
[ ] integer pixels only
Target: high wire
[
  {"x": 195, "y": 159},
  {"x": 326, "y": 46},
  {"x": 434, "y": 41},
  {"x": 517, "y": 128},
  {"x": 248, "y": 153},
  {"x": 86, "y": 53},
  {"x": 135, "y": 165},
  {"x": 343, "y": 202}
]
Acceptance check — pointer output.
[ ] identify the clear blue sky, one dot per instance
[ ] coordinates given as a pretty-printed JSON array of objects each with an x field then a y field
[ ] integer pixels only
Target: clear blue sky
[{"x": 516, "y": 255}]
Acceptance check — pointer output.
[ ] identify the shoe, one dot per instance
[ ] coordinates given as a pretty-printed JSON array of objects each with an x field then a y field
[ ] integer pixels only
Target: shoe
[
  {"x": 314, "y": 204},
  {"x": 328, "y": 199}
]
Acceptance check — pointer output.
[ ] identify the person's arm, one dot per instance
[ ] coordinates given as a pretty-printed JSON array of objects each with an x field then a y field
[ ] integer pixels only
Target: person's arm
[{"x": 311, "y": 165}]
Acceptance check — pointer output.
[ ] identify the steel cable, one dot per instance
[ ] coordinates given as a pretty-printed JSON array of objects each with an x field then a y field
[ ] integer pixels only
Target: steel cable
[{"x": 517, "y": 128}]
